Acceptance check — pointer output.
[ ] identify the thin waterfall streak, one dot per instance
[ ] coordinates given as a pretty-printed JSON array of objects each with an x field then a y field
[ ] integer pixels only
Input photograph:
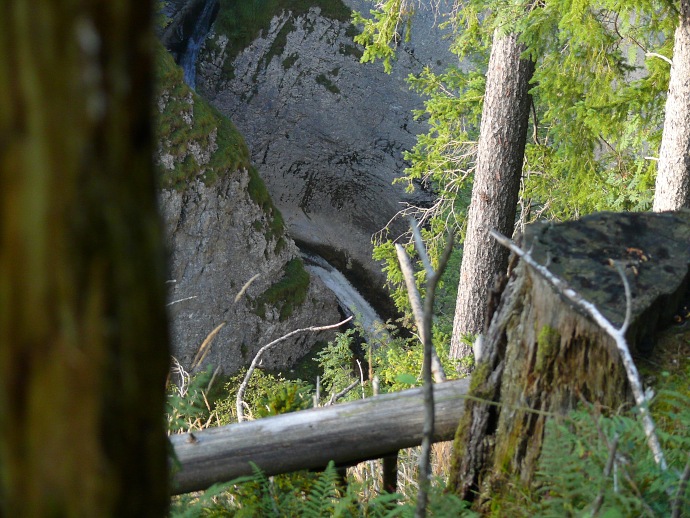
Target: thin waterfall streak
[
  {"x": 188, "y": 58},
  {"x": 350, "y": 300}
]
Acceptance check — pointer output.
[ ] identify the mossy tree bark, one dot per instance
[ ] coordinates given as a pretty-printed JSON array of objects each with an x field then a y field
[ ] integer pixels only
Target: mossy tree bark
[
  {"x": 541, "y": 356},
  {"x": 83, "y": 332},
  {"x": 502, "y": 139}
]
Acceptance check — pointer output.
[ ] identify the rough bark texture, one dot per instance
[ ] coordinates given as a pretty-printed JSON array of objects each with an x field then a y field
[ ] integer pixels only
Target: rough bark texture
[
  {"x": 83, "y": 332},
  {"x": 673, "y": 177},
  {"x": 541, "y": 355},
  {"x": 496, "y": 186}
]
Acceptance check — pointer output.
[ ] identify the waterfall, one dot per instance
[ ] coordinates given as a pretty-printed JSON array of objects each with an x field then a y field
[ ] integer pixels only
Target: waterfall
[
  {"x": 188, "y": 57},
  {"x": 348, "y": 297}
]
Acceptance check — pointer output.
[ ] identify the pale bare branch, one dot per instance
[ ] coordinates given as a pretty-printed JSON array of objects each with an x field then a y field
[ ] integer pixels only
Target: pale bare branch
[
  {"x": 423, "y": 317},
  {"x": 246, "y": 286},
  {"x": 180, "y": 300},
  {"x": 421, "y": 249},
  {"x": 337, "y": 395},
  {"x": 677, "y": 506},
  {"x": 417, "y": 310},
  {"x": 243, "y": 387},
  {"x": 660, "y": 56},
  {"x": 204, "y": 348}
]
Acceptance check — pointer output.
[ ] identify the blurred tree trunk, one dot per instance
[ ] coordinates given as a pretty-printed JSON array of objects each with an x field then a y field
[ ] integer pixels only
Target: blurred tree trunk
[
  {"x": 83, "y": 332},
  {"x": 502, "y": 139},
  {"x": 673, "y": 177}
]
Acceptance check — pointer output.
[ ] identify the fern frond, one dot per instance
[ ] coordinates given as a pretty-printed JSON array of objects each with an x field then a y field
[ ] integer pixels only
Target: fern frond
[{"x": 323, "y": 494}]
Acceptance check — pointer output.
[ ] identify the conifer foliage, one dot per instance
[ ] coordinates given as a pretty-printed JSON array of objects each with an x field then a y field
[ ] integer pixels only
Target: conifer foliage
[{"x": 599, "y": 90}]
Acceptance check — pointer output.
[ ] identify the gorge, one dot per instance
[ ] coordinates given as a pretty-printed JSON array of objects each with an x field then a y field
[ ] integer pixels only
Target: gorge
[{"x": 327, "y": 136}]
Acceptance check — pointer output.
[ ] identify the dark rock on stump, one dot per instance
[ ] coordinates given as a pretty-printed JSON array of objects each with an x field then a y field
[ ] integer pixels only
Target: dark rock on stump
[{"x": 542, "y": 354}]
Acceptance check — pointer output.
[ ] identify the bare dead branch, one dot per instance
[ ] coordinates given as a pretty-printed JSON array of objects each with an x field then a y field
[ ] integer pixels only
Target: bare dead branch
[
  {"x": 317, "y": 395},
  {"x": 204, "y": 348},
  {"x": 180, "y": 300},
  {"x": 423, "y": 317},
  {"x": 677, "y": 506},
  {"x": 613, "y": 448},
  {"x": 427, "y": 440},
  {"x": 421, "y": 249},
  {"x": 660, "y": 56},
  {"x": 417, "y": 310},
  {"x": 178, "y": 369},
  {"x": 243, "y": 386},
  {"x": 337, "y": 395},
  {"x": 246, "y": 287}
]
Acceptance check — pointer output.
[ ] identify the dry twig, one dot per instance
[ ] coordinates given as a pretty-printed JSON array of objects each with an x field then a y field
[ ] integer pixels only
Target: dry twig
[
  {"x": 243, "y": 387},
  {"x": 423, "y": 318}
]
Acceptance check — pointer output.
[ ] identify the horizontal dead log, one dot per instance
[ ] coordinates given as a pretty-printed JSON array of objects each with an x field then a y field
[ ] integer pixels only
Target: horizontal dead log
[{"x": 309, "y": 439}]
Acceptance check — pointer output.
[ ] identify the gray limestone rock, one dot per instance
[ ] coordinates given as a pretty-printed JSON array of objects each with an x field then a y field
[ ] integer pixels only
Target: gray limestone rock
[
  {"x": 221, "y": 232},
  {"x": 326, "y": 132},
  {"x": 215, "y": 249}
]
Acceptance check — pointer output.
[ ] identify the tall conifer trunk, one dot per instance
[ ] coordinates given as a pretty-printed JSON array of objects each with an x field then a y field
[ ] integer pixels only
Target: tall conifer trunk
[
  {"x": 83, "y": 332},
  {"x": 673, "y": 177},
  {"x": 502, "y": 139}
]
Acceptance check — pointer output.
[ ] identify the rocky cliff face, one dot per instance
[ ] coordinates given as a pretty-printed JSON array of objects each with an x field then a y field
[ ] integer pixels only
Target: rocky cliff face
[
  {"x": 223, "y": 230},
  {"x": 327, "y": 132}
]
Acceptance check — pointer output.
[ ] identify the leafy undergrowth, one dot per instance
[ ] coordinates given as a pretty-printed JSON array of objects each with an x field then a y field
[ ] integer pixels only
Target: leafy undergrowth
[{"x": 595, "y": 461}]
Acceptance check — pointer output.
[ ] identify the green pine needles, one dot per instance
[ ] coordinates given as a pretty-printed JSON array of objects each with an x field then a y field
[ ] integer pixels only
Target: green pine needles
[{"x": 598, "y": 92}]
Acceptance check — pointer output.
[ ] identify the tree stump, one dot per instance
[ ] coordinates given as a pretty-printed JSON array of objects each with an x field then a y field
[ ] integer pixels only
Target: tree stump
[{"x": 541, "y": 355}]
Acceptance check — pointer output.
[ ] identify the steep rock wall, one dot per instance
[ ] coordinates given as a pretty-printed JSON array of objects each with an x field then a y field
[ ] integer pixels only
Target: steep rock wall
[
  {"x": 222, "y": 230},
  {"x": 328, "y": 132}
]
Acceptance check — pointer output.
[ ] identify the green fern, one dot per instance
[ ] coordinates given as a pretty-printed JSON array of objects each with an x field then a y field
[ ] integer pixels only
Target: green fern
[
  {"x": 324, "y": 494},
  {"x": 573, "y": 474}
]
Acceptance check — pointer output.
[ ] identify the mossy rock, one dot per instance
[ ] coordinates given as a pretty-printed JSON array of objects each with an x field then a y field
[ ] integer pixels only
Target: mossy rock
[
  {"x": 286, "y": 294},
  {"x": 185, "y": 119}
]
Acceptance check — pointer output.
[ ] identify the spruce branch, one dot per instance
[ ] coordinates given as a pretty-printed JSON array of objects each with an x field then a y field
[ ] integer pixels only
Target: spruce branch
[
  {"x": 617, "y": 334},
  {"x": 245, "y": 382}
]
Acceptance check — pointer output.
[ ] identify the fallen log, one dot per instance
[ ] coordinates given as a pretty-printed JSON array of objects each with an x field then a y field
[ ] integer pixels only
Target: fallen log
[{"x": 346, "y": 433}]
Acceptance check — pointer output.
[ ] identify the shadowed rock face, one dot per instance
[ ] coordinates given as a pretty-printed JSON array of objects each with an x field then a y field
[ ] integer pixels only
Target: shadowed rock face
[
  {"x": 215, "y": 249},
  {"x": 326, "y": 132},
  {"x": 222, "y": 231}
]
